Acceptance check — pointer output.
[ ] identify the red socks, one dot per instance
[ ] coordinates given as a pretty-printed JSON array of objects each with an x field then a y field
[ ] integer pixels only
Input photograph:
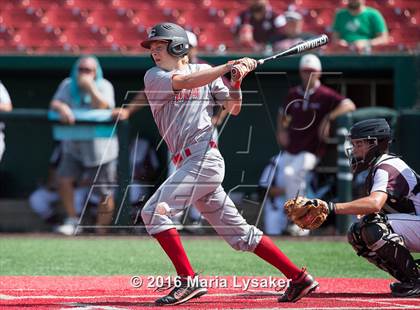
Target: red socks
[
  {"x": 171, "y": 243},
  {"x": 269, "y": 252}
]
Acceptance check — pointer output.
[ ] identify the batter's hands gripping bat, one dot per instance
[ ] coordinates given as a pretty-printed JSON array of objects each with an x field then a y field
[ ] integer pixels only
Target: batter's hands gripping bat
[{"x": 293, "y": 50}]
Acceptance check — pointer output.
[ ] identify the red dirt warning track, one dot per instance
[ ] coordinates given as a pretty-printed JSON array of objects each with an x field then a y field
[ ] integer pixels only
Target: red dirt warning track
[{"x": 116, "y": 293}]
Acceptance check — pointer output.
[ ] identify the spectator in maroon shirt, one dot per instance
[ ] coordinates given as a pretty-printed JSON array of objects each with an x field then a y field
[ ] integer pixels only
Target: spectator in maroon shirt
[
  {"x": 304, "y": 122},
  {"x": 258, "y": 25}
]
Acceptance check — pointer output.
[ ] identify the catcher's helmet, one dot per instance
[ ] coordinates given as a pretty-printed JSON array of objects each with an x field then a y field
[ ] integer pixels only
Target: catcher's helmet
[
  {"x": 371, "y": 128},
  {"x": 172, "y": 33},
  {"x": 378, "y": 134}
]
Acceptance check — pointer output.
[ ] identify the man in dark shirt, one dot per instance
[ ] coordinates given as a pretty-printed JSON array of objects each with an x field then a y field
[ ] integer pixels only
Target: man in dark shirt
[
  {"x": 258, "y": 25},
  {"x": 304, "y": 122},
  {"x": 292, "y": 32}
]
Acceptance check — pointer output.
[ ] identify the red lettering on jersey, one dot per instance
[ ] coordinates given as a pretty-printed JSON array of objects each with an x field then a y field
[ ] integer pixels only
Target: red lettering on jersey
[
  {"x": 186, "y": 94},
  {"x": 195, "y": 93}
]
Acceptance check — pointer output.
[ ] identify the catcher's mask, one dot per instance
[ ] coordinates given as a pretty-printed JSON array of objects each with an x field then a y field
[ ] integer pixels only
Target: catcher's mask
[
  {"x": 367, "y": 141},
  {"x": 175, "y": 35}
]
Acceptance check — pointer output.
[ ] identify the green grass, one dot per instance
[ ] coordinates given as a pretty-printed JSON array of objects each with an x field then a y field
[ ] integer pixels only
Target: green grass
[{"x": 131, "y": 256}]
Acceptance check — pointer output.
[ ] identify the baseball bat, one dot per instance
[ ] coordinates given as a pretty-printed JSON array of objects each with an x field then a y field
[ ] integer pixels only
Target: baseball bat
[
  {"x": 293, "y": 50},
  {"x": 299, "y": 48}
]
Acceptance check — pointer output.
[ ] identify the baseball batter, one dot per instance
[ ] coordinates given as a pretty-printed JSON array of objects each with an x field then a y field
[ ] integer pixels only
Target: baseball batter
[{"x": 181, "y": 97}]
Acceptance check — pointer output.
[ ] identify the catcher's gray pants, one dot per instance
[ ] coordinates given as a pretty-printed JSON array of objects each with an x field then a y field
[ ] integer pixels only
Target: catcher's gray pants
[{"x": 198, "y": 182}]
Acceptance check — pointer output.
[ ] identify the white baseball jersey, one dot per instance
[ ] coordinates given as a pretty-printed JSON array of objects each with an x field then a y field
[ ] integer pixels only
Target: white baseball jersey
[
  {"x": 184, "y": 121},
  {"x": 183, "y": 117},
  {"x": 394, "y": 177}
]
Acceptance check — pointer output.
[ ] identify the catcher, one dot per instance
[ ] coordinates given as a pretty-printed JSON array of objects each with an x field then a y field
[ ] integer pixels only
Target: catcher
[{"x": 390, "y": 227}]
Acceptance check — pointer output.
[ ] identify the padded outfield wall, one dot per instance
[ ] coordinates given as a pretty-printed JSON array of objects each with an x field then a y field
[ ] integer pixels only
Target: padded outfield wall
[{"x": 247, "y": 141}]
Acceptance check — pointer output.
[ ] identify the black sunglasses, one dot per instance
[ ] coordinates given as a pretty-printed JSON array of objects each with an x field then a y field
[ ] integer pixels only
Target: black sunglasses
[{"x": 86, "y": 70}]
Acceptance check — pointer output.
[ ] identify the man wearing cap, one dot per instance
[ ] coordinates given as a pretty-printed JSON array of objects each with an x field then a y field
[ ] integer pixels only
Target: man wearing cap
[
  {"x": 258, "y": 25},
  {"x": 292, "y": 33},
  {"x": 304, "y": 123}
]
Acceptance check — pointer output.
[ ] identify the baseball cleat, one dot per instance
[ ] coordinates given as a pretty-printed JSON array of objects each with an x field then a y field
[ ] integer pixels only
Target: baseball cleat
[
  {"x": 182, "y": 293},
  {"x": 406, "y": 289},
  {"x": 299, "y": 288},
  {"x": 68, "y": 228}
]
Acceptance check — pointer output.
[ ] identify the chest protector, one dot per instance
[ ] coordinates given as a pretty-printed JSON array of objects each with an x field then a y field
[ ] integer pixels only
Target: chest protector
[{"x": 396, "y": 202}]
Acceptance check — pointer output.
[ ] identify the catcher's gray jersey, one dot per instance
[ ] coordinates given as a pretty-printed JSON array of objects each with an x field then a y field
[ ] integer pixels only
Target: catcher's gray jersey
[{"x": 183, "y": 117}]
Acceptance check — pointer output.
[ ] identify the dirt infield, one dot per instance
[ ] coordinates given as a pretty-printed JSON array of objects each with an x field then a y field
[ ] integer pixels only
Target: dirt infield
[{"x": 117, "y": 293}]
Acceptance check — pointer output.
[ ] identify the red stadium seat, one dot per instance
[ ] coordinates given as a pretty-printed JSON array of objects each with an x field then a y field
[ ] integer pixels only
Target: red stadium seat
[
  {"x": 108, "y": 18},
  {"x": 324, "y": 18},
  {"x": 279, "y": 6},
  {"x": 176, "y": 5},
  {"x": 120, "y": 25},
  {"x": 197, "y": 19},
  {"x": 126, "y": 38},
  {"x": 20, "y": 17},
  {"x": 133, "y": 5},
  {"x": 315, "y": 28},
  {"x": 415, "y": 19},
  {"x": 84, "y": 39},
  {"x": 42, "y": 4},
  {"x": 393, "y": 14},
  {"x": 404, "y": 4},
  {"x": 394, "y": 25},
  {"x": 9, "y": 4},
  {"x": 335, "y": 49},
  {"x": 211, "y": 38},
  {"x": 88, "y": 5},
  {"x": 63, "y": 18},
  {"x": 223, "y": 4},
  {"x": 174, "y": 9},
  {"x": 37, "y": 38},
  {"x": 412, "y": 46},
  {"x": 151, "y": 18},
  {"x": 391, "y": 47},
  {"x": 406, "y": 34},
  {"x": 7, "y": 39},
  {"x": 317, "y": 4},
  {"x": 230, "y": 18}
]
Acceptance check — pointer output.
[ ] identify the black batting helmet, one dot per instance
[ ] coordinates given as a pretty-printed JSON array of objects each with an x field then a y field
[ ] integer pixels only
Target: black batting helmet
[
  {"x": 371, "y": 128},
  {"x": 378, "y": 133},
  {"x": 174, "y": 34}
]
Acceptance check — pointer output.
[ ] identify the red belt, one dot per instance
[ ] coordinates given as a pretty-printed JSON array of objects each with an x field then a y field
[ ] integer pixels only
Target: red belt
[{"x": 177, "y": 158}]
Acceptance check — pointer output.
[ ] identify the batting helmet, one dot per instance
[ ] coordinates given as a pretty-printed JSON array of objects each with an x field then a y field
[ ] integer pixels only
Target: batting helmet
[
  {"x": 378, "y": 133},
  {"x": 172, "y": 33}
]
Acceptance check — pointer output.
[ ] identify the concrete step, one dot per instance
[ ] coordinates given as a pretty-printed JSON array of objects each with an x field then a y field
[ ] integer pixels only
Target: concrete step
[{"x": 17, "y": 216}]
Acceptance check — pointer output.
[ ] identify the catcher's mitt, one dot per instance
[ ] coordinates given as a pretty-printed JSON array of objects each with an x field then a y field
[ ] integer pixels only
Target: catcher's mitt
[
  {"x": 241, "y": 68},
  {"x": 307, "y": 213}
]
